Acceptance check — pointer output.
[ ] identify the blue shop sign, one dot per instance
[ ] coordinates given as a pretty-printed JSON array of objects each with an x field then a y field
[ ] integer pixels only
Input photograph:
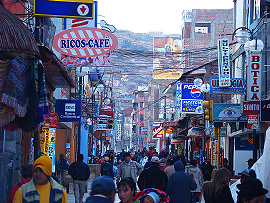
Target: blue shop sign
[
  {"x": 192, "y": 106},
  {"x": 68, "y": 110},
  {"x": 237, "y": 86},
  {"x": 190, "y": 91}
]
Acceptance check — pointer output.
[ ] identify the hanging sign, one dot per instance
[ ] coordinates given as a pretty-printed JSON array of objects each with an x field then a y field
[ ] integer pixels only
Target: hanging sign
[
  {"x": 251, "y": 107},
  {"x": 52, "y": 119},
  {"x": 85, "y": 42},
  {"x": 45, "y": 131},
  {"x": 223, "y": 62},
  {"x": 254, "y": 77},
  {"x": 157, "y": 130},
  {"x": 68, "y": 110},
  {"x": 237, "y": 86},
  {"x": 51, "y": 146},
  {"x": 253, "y": 121}
]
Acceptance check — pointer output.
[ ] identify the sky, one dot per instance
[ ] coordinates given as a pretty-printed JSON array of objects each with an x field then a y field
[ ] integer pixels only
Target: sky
[{"x": 143, "y": 16}]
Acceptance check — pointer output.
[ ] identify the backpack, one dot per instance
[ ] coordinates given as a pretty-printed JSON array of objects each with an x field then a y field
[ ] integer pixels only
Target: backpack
[{"x": 106, "y": 170}]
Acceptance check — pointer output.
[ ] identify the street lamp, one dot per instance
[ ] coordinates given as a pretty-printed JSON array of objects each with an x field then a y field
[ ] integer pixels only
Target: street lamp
[{"x": 80, "y": 72}]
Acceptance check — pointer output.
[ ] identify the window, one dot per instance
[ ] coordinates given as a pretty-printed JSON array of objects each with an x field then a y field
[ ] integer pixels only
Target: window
[{"x": 202, "y": 28}]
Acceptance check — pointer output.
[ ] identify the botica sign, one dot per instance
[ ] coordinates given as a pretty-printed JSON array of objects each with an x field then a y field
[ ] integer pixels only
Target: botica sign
[
  {"x": 85, "y": 42},
  {"x": 254, "y": 77}
]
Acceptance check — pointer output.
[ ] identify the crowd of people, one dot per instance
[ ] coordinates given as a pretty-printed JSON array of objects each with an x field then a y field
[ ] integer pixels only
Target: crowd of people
[{"x": 146, "y": 177}]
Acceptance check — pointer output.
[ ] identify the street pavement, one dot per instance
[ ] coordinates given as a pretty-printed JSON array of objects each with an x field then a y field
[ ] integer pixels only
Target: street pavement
[{"x": 71, "y": 198}]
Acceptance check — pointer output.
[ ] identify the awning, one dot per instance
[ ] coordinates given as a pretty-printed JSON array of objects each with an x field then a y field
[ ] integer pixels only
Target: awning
[
  {"x": 172, "y": 123},
  {"x": 55, "y": 73},
  {"x": 196, "y": 132}
]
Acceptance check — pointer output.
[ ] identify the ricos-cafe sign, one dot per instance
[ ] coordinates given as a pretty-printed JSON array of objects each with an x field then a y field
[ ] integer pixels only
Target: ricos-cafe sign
[
  {"x": 85, "y": 42},
  {"x": 254, "y": 77}
]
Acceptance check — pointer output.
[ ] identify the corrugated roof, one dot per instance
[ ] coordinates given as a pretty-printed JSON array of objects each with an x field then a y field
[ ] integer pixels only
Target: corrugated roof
[{"x": 15, "y": 36}]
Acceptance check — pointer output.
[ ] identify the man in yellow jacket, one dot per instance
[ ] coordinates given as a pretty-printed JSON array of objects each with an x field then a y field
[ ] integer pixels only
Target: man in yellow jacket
[{"x": 42, "y": 188}]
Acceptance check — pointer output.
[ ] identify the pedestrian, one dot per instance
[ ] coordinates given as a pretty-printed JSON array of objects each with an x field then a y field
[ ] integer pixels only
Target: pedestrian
[
  {"x": 170, "y": 169},
  {"x": 194, "y": 171},
  {"x": 152, "y": 195},
  {"x": 225, "y": 165},
  {"x": 128, "y": 168},
  {"x": 42, "y": 187},
  {"x": 26, "y": 173},
  {"x": 61, "y": 166},
  {"x": 144, "y": 160},
  {"x": 167, "y": 164},
  {"x": 217, "y": 190},
  {"x": 207, "y": 169},
  {"x": 251, "y": 191},
  {"x": 247, "y": 173},
  {"x": 106, "y": 168},
  {"x": 122, "y": 155},
  {"x": 126, "y": 190},
  {"x": 180, "y": 185},
  {"x": 115, "y": 169},
  {"x": 250, "y": 162},
  {"x": 80, "y": 173},
  {"x": 148, "y": 163},
  {"x": 153, "y": 177},
  {"x": 163, "y": 160},
  {"x": 102, "y": 190}
]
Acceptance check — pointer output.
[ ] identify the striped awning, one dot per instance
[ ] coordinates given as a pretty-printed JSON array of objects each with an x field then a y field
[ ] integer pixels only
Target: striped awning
[{"x": 14, "y": 35}]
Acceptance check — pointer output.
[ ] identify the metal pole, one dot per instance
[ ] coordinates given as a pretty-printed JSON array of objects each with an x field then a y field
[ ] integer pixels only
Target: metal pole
[
  {"x": 35, "y": 144},
  {"x": 79, "y": 127},
  {"x": 254, "y": 146},
  {"x": 187, "y": 141},
  {"x": 265, "y": 55},
  {"x": 218, "y": 155}
]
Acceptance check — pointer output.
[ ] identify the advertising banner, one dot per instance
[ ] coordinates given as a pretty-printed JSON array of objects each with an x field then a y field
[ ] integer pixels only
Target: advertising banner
[
  {"x": 254, "y": 77},
  {"x": 227, "y": 112},
  {"x": 51, "y": 147},
  {"x": 236, "y": 86},
  {"x": 68, "y": 110},
  {"x": 178, "y": 95},
  {"x": 157, "y": 130},
  {"x": 167, "y": 57},
  {"x": 253, "y": 121},
  {"x": 191, "y": 99},
  {"x": 118, "y": 134},
  {"x": 265, "y": 110},
  {"x": 251, "y": 107},
  {"x": 223, "y": 62},
  {"x": 45, "y": 131}
]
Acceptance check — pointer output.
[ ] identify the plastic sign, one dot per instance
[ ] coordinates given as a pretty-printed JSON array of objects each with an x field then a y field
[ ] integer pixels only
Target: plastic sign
[
  {"x": 253, "y": 121},
  {"x": 251, "y": 107},
  {"x": 52, "y": 119},
  {"x": 237, "y": 86},
  {"x": 223, "y": 62},
  {"x": 85, "y": 42}
]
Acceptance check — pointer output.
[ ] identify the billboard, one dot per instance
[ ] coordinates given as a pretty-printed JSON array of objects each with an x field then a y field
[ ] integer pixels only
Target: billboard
[
  {"x": 223, "y": 62},
  {"x": 227, "y": 112},
  {"x": 167, "y": 57},
  {"x": 236, "y": 86},
  {"x": 191, "y": 99}
]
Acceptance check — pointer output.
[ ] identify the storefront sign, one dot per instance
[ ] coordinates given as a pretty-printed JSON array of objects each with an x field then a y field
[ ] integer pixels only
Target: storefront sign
[
  {"x": 68, "y": 110},
  {"x": 178, "y": 95},
  {"x": 177, "y": 140},
  {"x": 223, "y": 62},
  {"x": 265, "y": 110},
  {"x": 45, "y": 131},
  {"x": 118, "y": 134},
  {"x": 237, "y": 86},
  {"x": 64, "y": 8},
  {"x": 227, "y": 112},
  {"x": 251, "y": 107},
  {"x": 254, "y": 77},
  {"x": 51, "y": 146},
  {"x": 52, "y": 119},
  {"x": 157, "y": 130},
  {"x": 253, "y": 121},
  {"x": 85, "y": 42}
]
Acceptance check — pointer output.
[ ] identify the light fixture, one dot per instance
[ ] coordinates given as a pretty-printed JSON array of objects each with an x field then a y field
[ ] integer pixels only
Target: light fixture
[
  {"x": 197, "y": 82},
  {"x": 255, "y": 46},
  {"x": 205, "y": 88},
  {"x": 242, "y": 35}
]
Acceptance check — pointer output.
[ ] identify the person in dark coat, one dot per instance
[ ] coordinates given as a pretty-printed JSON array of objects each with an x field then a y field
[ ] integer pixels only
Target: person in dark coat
[
  {"x": 217, "y": 190},
  {"x": 106, "y": 168},
  {"x": 180, "y": 185},
  {"x": 225, "y": 165},
  {"x": 102, "y": 190},
  {"x": 153, "y": 177},
  {"x": 80, "y": 173},
  {"x": 207, "y": 169}
]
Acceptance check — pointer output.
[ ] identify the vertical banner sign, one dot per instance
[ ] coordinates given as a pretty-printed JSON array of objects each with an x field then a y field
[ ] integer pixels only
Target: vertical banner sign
[
  {"x": 254, "y": 77},
  {"x": 223, "y": 63},
  {"x": 118, "y": 136},
  {"x": 253, "y": 121},
  {"x": 45, "y": 131},
  {"x": 178, "y": 95},
  {"x": 51, "y": 148}
]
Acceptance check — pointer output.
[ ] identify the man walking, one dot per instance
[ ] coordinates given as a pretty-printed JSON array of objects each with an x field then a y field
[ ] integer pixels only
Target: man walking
[
  {"x": 102, "y": 190},
  {"x": 153, "y": 177},
  {"x": 80, "y": 173},
  {"x": 128, "y": 168},
  {"x": 42, "y": 187},
  {"x": 180, "y": 185},
  {"x": 62, "y": 165},
  {"x": 207, "y": 169}
]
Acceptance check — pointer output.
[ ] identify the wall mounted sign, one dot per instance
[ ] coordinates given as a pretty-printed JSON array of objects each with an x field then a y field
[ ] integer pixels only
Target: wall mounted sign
[
  {"x": 254, "y": 77},
  {"x": 253, "y": 121},
  {"x": 227, "y": 112},
  {"x": 85, "y": 42},
  {"x": 223, "y": 62},
  {"x": 236, "y": 86},
  {"x": 265, "y": 110},
  {"x": 69, "y": 110},
  {"x": 64, "y": 8},
  {"x": 251, "y": 107},
  {"x": 157, "y": 130},
  {"x": 52, "y": 119}
]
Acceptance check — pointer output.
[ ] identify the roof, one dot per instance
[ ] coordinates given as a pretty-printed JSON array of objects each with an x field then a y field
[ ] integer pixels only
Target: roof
[
  {"x": 15, "y": 36},
  {"x": 55, "y": 73}
]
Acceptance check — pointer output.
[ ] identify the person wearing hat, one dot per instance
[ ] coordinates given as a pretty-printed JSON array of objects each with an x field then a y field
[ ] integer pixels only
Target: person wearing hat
[
  {"x": 42, "y": 188},
  {"x": 128, "y": 168},
  {"x": 251, "y": 191},
  {"x": 153, "y": 177},
  {"x": 151, "y": 195},
  {"x": 247, "y": 173},
  {"x": 106, "y": 167},
  {"x": 102, "y": 190}
]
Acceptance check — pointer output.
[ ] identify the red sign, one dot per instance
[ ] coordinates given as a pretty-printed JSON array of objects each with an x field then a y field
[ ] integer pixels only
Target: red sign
[
  {"x": 52, "y": 119},
  {"x": 85, "y": 42},
  {"x": 254, "y": 77},
  {"x": 251, "y": 107},
  {"x": 253, "y": 121}
]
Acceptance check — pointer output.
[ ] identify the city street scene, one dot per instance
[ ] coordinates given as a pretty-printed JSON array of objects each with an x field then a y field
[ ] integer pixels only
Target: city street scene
[{"x": 145, "y": 101}]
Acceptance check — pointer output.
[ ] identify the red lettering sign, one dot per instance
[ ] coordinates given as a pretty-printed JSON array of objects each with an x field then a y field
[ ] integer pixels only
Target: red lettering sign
[
  {"x": 254, "y": 77},
  {"x": 251, "y": 107},
  {"x": 252, "y": 122},
  {"x": 52, "y": 119}
]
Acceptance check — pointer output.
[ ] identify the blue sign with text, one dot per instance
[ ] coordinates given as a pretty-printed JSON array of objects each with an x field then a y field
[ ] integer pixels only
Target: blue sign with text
[
  {"x": 190, "y": 91},
  {"x": 68, "y": 110},
  {"x": 237, "y": 86}
]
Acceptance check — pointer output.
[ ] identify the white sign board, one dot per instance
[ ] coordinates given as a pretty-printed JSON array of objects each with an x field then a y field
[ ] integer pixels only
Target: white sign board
[
  {"x": 223, "y": 62},
  {"x": 118, "y": 135},
  {"x": 254, "y": 77}
]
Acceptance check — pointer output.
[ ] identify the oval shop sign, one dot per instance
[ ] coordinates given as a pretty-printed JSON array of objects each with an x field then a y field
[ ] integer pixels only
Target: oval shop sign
[{"x": 85, "y": 42}]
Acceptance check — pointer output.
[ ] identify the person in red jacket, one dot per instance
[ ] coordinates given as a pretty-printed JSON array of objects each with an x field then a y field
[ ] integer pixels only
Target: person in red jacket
[{"x": 26, "y": 177}]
